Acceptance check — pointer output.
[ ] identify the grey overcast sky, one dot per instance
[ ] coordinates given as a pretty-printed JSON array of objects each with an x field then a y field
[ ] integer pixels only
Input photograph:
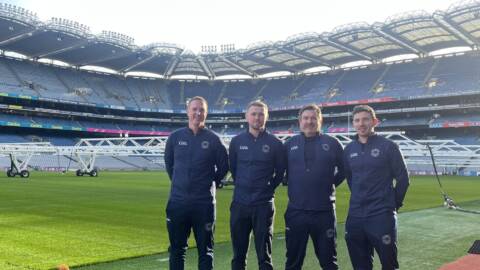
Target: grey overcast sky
[{"x": 192, "y": 23}]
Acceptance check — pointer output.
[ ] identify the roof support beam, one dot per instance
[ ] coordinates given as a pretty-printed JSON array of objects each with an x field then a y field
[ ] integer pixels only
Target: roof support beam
[
  {"x": 238, "y": 66},
  {"x": 455, "y": 30},
  {"x": 438, "y": 24},
  {"x": 17, "y": 38},
  {"x": 405, "y": 41},
  {"x": 127, "y": 69},
  {"x": 335, "y": 38},
  {"x": 206, "y": 68},
  {"x": 341, "y": 47},
  {"x": 310, "y": 55},
  {"x": 432, "y": 36},
  {"x": 273, "y": 64},
  {"x": 171, "y": 67},
  {"x": 303, "y": 56},
  {"x": 99, "y": 60},
  {"x": 46, "y": 54},
  {"x": 316, "y": 57},
  {"x": 397, "y": 41}
]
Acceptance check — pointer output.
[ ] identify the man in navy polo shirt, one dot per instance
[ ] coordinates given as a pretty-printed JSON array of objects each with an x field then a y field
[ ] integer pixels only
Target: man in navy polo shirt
[
  {"x": 372, "y": 163},
  {"x": 257, "y": 164},
  {"x": 315, "y": 168},
  {"x": 196, "y": 162}
]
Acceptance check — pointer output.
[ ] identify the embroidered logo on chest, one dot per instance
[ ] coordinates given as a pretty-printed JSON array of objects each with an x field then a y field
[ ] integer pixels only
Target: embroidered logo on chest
[
  {"x": 375, "y": 152},
  {"x": 295, "y": 147},
  {"x": 205, "y": 144},
  {"x": 326, "y": 147},
  {"x": 352, "y": 155},
  {"x": 243, "y": 147},
  {"x": 182, "y": 143},
  {"x": 266, "y": 148}
]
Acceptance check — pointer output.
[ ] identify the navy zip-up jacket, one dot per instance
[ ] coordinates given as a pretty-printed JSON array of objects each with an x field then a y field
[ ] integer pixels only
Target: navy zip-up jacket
[
  {"x": 194, "y": 164},
  {"x": 257, "y": 166},
  {"x": 311, "y": 184},
  {"x": 370, "y": 169}
]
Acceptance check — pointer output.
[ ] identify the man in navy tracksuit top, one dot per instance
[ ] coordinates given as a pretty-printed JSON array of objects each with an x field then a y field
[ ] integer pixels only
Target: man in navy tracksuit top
[
  {"x": 257, "y": 164},
  {"x": 196, "y": 161},
  {"x": 315, "y": 168},
  {"x": 371, "y": 164}
]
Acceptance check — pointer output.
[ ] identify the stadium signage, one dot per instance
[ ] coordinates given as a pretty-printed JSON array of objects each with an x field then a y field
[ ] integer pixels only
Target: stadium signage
[
  {"x": 455, "y": 124},
  {"x": 132, "y": 132},
  {"x": 15, "y": 107},
  {"x": 337, "y": 130},
  {"x": 115, "y": 107},
  {"x": 69, "y": 101},
  {"x": 360, "y": 101},
  {"x": 14, "y": 124}
]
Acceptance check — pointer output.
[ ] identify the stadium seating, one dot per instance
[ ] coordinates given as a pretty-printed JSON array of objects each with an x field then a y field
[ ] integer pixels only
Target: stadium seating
[{"x": 407, "y": 80}]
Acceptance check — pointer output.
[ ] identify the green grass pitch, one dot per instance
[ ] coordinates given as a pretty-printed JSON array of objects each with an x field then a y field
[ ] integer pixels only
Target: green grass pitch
[{"x": 51, "y": 219}]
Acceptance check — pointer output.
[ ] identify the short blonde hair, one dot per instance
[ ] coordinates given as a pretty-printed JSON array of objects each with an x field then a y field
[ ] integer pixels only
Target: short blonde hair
[{"x": 199, "y": 98}]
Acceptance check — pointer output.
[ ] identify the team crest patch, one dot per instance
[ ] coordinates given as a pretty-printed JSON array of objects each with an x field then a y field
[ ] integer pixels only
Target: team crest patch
[
  {"x": 205, "y": 144},
  {"x": 386, "y": 239},
  {"x": 330, "y": 233},
  {"x": 326, "y": 147},
  {"x": 375, "y": 152},
  {"x": 266, "y": 148},
  {"x": 209, "y": 227}
]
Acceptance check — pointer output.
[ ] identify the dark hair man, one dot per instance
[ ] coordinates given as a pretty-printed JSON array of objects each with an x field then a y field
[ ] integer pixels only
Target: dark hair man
[
  {"x": 371, "y": 165},
  {"x": 315, "y": 168}
]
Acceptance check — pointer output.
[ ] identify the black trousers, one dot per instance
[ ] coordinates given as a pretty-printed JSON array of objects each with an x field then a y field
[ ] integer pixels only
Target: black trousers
[
  {"x": 363, "y": 235},
  {"x": 245, "y": 219},
  {"x": 321, "y": 226},
  {"x": 181, "y": 219}
]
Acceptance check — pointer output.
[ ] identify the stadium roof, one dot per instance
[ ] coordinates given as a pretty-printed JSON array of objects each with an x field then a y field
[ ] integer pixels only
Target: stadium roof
[{"x": 411, "y": 33}]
